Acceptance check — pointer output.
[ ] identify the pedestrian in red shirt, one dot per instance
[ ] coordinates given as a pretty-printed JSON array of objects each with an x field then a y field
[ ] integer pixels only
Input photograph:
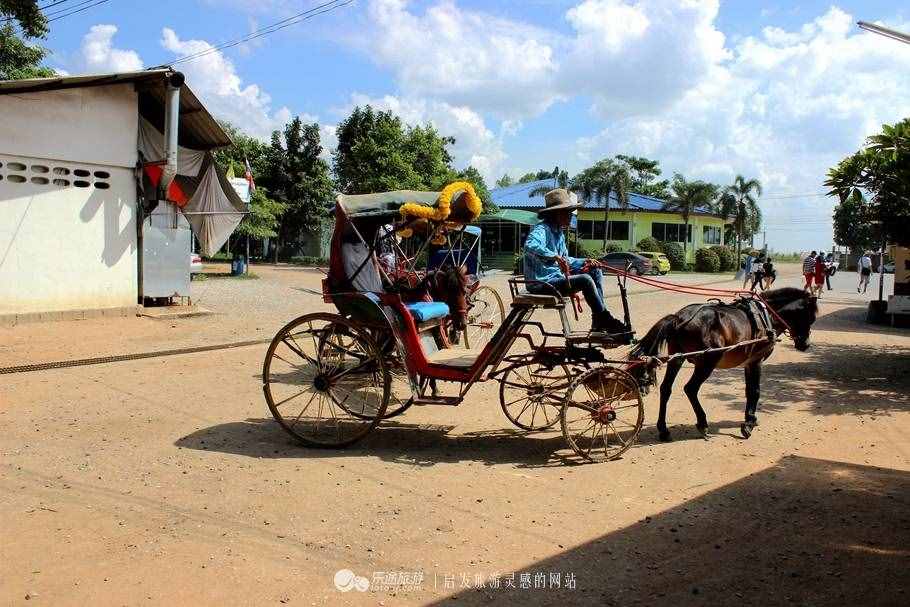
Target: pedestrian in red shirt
[{"x": 821, "y": 270}]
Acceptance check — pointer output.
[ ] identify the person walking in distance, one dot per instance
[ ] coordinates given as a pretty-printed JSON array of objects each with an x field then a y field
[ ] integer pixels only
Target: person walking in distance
[
  {"x": 864, "y": 268},
  {"x": 829, "y": 269},
  {"x": 809, "y": 271},
  {"x": 747, "y": 270},
  {"x": 770, "y": 273},
  {"x": 758, "y": 273},
  {"x": 821, "y": 271}
]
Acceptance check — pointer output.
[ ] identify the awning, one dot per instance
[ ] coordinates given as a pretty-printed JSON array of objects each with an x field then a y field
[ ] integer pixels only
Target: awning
[{"x": 528, "y": 218}]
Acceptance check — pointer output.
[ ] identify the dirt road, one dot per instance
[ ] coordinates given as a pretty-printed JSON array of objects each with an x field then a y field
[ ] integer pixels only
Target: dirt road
[{"x": 165, "y": 481}]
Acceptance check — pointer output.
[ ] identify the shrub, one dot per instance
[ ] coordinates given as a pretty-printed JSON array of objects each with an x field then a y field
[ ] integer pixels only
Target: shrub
[
  {"x": 707, "y": 260},
  {"x": 577, "y": 248},
  {"x": 650, "y": 244},
  {"x": 612, "y": 247},
  {"x": 518, "y": 264},
  {"x": 676, "y": 255},
  {"x": 726, "y": 257}
]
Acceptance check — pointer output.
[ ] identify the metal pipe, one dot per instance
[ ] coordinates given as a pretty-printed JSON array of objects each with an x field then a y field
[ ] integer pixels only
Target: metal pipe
[
  {"x": 884, "y": 31},
  {"x": 171, "y": 128}
]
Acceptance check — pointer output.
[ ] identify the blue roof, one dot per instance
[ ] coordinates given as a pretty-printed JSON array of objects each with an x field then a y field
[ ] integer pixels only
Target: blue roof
[{"x": 516, "y": 197}]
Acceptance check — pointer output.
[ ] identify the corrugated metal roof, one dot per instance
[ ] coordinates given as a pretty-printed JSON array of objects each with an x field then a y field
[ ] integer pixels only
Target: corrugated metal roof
[
  {"x": 528, "y": 218},
  {"x": 516, "y": 197},
  {"x": 198, "y": 129}
]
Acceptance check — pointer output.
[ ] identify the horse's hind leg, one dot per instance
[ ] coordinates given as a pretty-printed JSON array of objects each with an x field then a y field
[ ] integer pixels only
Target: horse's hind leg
[
  {"x": 703, "y": 369},
  {"x": 753, "y": 390},
  {"x": 666, "y": 388}
]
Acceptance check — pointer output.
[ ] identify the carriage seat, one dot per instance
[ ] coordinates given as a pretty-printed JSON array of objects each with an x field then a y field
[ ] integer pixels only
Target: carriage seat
[
  {"x": 523, "y": 298},
  {"x": 423, "y": 311}
]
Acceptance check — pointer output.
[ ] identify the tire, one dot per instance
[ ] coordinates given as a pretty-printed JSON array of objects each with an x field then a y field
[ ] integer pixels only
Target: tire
[
  {"x": 486, "y": 314},
  {"x": 602, "y": 403},
  {"x": 664, "y": 273},
  {"x": 325, "y": 381},
  {"x": 531, "y": 395},
  {"x": 633, "y": 271}
]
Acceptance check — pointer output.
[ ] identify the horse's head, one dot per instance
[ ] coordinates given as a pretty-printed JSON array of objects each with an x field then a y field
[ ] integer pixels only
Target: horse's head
[
  {"x": 798, "y": 309},
  {"x": 450, "y": 285}
]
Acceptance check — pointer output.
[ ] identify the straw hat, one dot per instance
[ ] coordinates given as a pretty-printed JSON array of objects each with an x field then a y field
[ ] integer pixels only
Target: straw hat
[{"x": 559, "y": 199}]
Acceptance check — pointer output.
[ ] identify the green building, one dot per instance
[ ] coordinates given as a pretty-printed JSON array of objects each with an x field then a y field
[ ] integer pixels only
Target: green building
[{"x": 504, "y": 233}]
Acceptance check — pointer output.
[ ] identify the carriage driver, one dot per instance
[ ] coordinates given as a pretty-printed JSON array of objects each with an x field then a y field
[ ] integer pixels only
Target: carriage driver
[{"x": 547, "y": 260}]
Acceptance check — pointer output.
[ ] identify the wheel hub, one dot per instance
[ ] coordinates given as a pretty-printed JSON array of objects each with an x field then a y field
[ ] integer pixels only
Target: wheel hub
[
  {"x": 321, "y": 383},
  {"x": 604, "y": 414}
]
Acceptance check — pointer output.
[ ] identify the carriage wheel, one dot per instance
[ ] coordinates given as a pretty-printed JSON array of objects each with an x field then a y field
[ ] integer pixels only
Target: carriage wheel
[
  {"x": 602, "y": 414},
  {"x": 325, "y": 381},
  {"x": 486, "y": 314},
  {"x": 531, "y": 395}
]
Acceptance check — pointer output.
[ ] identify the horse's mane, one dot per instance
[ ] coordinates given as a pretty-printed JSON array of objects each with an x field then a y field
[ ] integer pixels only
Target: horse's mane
[{"x": 778, "y": 298}]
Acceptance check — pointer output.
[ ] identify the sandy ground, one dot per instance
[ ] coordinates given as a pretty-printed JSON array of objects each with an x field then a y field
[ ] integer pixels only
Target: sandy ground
[{"x": 165, "y": 480}]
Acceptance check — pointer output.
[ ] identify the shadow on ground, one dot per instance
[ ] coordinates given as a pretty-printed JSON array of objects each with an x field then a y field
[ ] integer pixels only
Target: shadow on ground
[
  {"x": 852, "y": 319},
  {"x": 413, "y": 444},
  {"x": 802, "y": 532},
  {"x": 834, "y": 379}
]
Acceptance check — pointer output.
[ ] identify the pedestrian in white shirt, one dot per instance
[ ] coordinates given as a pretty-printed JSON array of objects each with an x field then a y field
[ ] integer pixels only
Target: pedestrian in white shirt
[{"x": 864, "y": 267}]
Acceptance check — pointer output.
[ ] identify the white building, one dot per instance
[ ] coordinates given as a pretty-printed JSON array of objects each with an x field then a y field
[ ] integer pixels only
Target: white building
[{"x": 75, "y": 187}]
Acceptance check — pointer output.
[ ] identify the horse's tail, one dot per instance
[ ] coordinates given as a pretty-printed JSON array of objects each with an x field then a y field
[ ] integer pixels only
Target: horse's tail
[{"x": 654, "y": 343}]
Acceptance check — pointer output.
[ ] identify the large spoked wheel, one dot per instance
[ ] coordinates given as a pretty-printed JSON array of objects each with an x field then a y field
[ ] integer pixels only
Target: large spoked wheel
[
  {"x": 485, "y": 315},
  {"x": 531, "y": 396},
  {"x": 325, "y": 381},
  {"x": 602, "y": 414}
]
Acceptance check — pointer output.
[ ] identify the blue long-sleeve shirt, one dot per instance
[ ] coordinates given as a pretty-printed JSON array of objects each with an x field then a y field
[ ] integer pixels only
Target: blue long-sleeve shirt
[{"x": 543, "y": 245}]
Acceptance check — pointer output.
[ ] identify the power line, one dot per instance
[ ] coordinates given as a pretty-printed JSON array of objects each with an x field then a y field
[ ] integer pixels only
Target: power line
[
  {"x": 52, "y": 4},
  {"x": 269, "y": 29},
  {"x": 74, "y": 9}
]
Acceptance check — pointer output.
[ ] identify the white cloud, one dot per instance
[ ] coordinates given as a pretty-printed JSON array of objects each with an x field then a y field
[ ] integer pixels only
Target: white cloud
[
  {"x": 475, "y": 143},
  {"x": 97, "y": 53},
  {"x": 214, "y": 79}
]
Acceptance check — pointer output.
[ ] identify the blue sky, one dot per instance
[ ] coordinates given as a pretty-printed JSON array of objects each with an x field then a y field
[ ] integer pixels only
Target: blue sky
[{"x": 774, "y": 90}]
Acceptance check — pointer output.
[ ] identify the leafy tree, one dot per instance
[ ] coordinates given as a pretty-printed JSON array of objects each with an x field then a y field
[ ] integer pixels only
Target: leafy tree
[
  {"x": 739, "y": 202},
  {"x": 504, "y": 181},
  {"x": 20, "y": 59},
  {"x": 474, "y": 177},
  {"x": 643, "y": 174},
  {"x": 598, "y": 183},
  {"x": 560, "y": 180},
  {"x": 687, "y": 197},
  {"x": 376, "y": 153},
  {"x": 882, "y": 170},
  {"x": 527, "y": 178},
  {"x": 263, "y": 220},
  {"x": 243, "y": 147},
  {"x": 851, "y": 224},
  {"x": 299, "y": 178}
]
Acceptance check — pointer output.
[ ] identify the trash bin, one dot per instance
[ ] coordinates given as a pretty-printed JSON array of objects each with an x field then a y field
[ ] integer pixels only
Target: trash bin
[{"x": 238, "y": 265}]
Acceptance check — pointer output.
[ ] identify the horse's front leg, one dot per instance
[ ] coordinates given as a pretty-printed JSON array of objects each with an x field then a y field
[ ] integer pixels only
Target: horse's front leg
[
  {"x": 753, "y": 390},
  {"x": 703, "y": 369},
  {"x": 666, "y": 388}
]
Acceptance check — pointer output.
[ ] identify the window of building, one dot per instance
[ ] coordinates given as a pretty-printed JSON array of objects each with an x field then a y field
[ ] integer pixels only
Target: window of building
[
  {"x": 670, "y": 232},
  {"x": 619, "y": 230},
  {"x": 712, "y": 235},
  {"x": 594, "y": 230}
]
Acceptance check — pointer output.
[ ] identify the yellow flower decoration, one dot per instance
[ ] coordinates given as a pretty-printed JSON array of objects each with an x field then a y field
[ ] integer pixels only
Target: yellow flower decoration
[{"x": 443, "y": 207}]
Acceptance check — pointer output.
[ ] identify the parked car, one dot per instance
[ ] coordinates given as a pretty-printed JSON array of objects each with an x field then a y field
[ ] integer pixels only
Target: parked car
[
  {"x": 660, "y": 263},
  {"x": 889, "y": 268},
  {"x": 195, "y": 263},
  {"x": 620, "y": 261}
]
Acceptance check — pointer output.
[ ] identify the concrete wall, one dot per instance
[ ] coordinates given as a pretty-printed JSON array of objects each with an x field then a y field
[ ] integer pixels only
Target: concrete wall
[{"x": 68, "y": 201}]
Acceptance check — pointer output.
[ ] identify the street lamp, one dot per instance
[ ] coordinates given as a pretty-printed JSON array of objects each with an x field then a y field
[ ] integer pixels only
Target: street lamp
[{"x": 884, "y": 31}]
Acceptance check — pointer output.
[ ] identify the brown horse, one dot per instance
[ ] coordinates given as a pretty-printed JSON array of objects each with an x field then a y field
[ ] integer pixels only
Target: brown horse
[
  {"x": 717, "y": 325},
  {"x": 450, "y": 285}
]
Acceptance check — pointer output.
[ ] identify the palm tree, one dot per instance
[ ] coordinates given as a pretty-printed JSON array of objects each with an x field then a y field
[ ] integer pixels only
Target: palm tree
[
  {"x": 560, "y": 180},
  {"x": 739, "y": 202},
  {"x": 598, "y": 183},
  {"x": 688, "y": 197}
]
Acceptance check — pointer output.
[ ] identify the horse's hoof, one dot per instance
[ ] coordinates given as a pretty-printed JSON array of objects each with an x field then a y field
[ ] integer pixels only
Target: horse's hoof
[
  {"x": 664, "y": 436},
  {"x": 746, "y": 430},
  {"x": 704, "y": 432}
]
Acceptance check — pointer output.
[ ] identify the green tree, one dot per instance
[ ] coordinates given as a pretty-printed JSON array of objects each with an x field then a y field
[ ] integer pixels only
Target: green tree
[
  {"x": 882, "y": 170},
  {"x": 687, "y": 197},
  {"x": 264, "y": 217},
  {"x": 560, "y": 180},
  {"x": 527, "y": 178},
  {"x": 852, "y": 227},
  {"x": 597, "y": 183},
  {"x": 376, "y": 153},
  {"x": 474, "y": 177},
  {"x": 243, "y": 147},
  {"x": 300, "y": 179},
  {"x": 504, "y": 181},
  {"x": 19, "y": 58},
  {"x": 739, "y": 202},
  {"x": 643, "y": 173}
]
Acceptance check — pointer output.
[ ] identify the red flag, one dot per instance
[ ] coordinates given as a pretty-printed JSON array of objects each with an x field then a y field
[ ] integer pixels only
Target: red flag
[{"x": 249, "y": 175}]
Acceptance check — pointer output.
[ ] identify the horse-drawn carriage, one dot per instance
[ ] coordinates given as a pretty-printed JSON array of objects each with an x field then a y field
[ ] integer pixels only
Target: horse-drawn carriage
[{"x": 408, "y": 321}]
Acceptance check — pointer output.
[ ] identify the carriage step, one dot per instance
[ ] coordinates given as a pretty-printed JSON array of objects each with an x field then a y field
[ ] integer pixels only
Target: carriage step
[{"x": 438, "y": 400}]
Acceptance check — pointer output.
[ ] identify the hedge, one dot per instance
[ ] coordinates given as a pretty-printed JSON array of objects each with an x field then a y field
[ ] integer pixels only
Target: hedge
[
  {"x": 707, "y": 260},
  {"x": 650, "y": 244},
  {"x": 676, "y": 255},
  {"x": 726, "y": 256}
]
